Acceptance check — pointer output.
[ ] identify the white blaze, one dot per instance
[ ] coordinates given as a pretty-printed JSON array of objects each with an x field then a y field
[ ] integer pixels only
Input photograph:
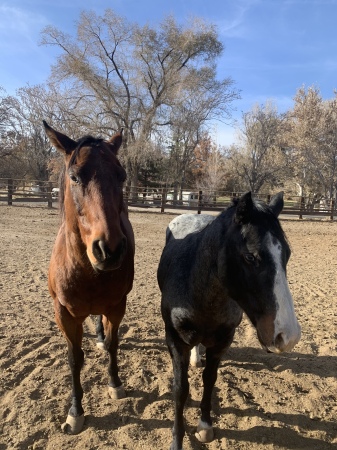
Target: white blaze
[{"x": 285, "y": 321}]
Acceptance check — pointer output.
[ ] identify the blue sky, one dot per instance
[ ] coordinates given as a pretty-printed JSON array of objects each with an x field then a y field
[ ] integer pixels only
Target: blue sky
[{"x": 272, "y": 47}]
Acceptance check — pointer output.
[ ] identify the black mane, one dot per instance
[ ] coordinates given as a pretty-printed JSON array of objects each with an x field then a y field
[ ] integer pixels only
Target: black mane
[
  {"x": 261, "y": 214},
  {"x": 84, "y": 141}
]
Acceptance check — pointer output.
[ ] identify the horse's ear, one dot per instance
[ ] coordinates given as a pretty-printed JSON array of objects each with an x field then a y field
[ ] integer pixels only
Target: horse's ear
[
  {"x": 244, "y": 209},
  {"x": 276, "y": 203},
  {"x": 59, "y": 140},
  {"x": 116, "y": 141}
]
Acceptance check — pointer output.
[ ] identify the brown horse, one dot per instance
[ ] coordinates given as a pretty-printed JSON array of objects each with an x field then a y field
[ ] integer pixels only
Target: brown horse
[{"x": 92, "y": 263}]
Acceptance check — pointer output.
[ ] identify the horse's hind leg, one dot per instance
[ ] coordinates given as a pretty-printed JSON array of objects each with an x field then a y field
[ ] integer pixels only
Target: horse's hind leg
[
  {"x": 180, "y": 355},
  {"x": 116, "y": 388},
  {"x": 100, "y": 333},
  {"x": 213, "y": 356},
  {"x": 73, "y": 331}
]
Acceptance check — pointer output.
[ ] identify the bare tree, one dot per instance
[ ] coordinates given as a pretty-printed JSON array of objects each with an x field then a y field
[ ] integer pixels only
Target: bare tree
[
  {"x": 312, "y": 143},
  {"x": 136, "y": 76},
  {"x": 25, "y": 151},
  {"x": 183, "y": 139},
  {"x": 11, "y": 148},
  {"x": 259, "y": 160},
  {"x": 209, "y": 165},
  {"x": 214, "y": 174}
]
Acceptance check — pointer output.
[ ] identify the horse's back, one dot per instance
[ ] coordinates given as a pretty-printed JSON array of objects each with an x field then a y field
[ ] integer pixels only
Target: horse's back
[
  {"x": 186, "y": 224},
  {"x": 182, "y": 240}
]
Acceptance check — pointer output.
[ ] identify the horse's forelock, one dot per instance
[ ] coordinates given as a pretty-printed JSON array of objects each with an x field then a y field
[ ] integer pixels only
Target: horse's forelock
[
  {"x": 89, "y": 141},
  {"x": 260, "y": 205},
  {"x": 261, "y": 215}
]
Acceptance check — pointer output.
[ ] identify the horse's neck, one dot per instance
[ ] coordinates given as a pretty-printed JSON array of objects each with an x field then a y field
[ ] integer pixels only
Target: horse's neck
[
  {"x": 211, "y": 241},
  {"x": 207, "y": 274},
  {"x": 213, "y": 236}
]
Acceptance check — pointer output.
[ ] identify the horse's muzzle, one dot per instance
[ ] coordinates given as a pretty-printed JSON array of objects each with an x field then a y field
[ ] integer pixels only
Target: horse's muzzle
[
  {"x": 106, "y": 259},
  {"x": 277, "y": 341}
]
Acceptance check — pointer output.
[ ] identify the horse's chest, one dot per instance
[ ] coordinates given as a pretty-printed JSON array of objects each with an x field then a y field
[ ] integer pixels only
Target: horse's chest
[
  {"x": 85, "y": 295},
  {"x": 204, "y": 323}
]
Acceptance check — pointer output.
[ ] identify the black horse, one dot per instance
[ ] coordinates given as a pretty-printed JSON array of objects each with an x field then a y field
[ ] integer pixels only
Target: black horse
[{"x": 211, "y": 270}]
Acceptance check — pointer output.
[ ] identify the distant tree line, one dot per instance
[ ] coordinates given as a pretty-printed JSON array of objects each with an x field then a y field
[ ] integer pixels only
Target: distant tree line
[
  {"x": 295, "y": 150},
  {"x": 160, "y": 85}
]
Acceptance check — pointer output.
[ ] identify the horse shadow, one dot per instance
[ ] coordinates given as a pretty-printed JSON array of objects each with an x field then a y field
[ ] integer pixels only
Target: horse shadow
[
  {"x": 259, "y": 435},
  {"x": 290, "y": 439},
  {"x": 252, "y": 359},
  {"x": 256, "y": 359}
]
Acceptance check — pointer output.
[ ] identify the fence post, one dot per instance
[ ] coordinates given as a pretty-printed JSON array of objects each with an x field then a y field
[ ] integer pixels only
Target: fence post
[
  {"x": 10, "y": 191},
  {"x": 301, "y": 207},
  {"x": 199, "y": 202},
  {"x": 332, "y": 207},
  {"x": 134, "y": 193},
  {"x": 126, "y": 196},
  {"x": 163, "y": 200}
]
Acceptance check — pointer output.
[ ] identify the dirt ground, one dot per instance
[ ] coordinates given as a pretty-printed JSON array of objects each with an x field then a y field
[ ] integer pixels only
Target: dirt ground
[{"x": 260, "y": 401}]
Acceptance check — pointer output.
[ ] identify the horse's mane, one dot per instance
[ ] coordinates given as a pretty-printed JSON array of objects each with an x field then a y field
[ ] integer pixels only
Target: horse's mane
[
  {"x": 85, "y": 140},
  {"x": 261, "y": 214}
]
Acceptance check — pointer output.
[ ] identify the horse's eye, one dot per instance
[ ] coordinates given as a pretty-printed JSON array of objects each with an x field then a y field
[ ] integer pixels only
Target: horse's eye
[
  {"x": 249, "y": 257},
  {"x": 74, "y": 178}
]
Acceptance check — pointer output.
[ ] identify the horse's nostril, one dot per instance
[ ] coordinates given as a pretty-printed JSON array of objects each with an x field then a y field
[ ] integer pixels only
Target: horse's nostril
[
  {"x": 100, "y": 250},
  {"x": 279, "y": 340},
  {"x": 103, "y": 253}
]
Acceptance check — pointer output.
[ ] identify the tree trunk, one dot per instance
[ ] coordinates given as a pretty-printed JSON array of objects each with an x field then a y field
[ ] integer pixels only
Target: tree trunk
[{"x": 134, "y": 183}]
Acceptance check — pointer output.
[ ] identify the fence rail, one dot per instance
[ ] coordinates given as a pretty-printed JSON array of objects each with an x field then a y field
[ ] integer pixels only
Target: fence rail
[
  {"x": 217, "y": 201},
  {"x": 17, "y": 191}
]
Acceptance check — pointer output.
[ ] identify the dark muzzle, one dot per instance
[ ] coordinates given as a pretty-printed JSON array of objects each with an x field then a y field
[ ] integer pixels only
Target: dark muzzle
[{"x": 106, "y": 258}]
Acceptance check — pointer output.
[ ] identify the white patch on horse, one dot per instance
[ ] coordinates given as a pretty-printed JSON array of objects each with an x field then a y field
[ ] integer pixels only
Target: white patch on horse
[
  {"x": 195, "y": 359},
  {"x": 179, "y": 314},
  {"x": 185, "y": 224},
  {"x": 286, "y": 323}
]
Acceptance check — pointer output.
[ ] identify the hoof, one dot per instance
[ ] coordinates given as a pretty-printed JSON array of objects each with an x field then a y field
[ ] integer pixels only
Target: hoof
[
  {"x": 204, "y": 433},
  {"x": 73, "y": 425},
  {"x": 100, "y": 345},
  {"x": 117, "y": 393}
]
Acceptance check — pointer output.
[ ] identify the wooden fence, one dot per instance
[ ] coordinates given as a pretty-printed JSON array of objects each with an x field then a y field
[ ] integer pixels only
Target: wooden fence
[
  {"x": 216, "y": 201},
  {"x": 15, "y": 191}
]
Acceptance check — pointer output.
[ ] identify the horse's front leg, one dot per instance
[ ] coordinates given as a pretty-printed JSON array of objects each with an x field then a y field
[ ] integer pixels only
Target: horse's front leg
[
  {"x": 116, "y": 388},
  {"x": 73, "y": 330},
  {"x": 209, "y": 376},
  {"x": 180, "y": 355}
]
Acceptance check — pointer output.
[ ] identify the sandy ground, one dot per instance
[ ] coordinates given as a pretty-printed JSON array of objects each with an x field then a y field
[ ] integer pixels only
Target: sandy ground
[{"x": 260, "y": 401}]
